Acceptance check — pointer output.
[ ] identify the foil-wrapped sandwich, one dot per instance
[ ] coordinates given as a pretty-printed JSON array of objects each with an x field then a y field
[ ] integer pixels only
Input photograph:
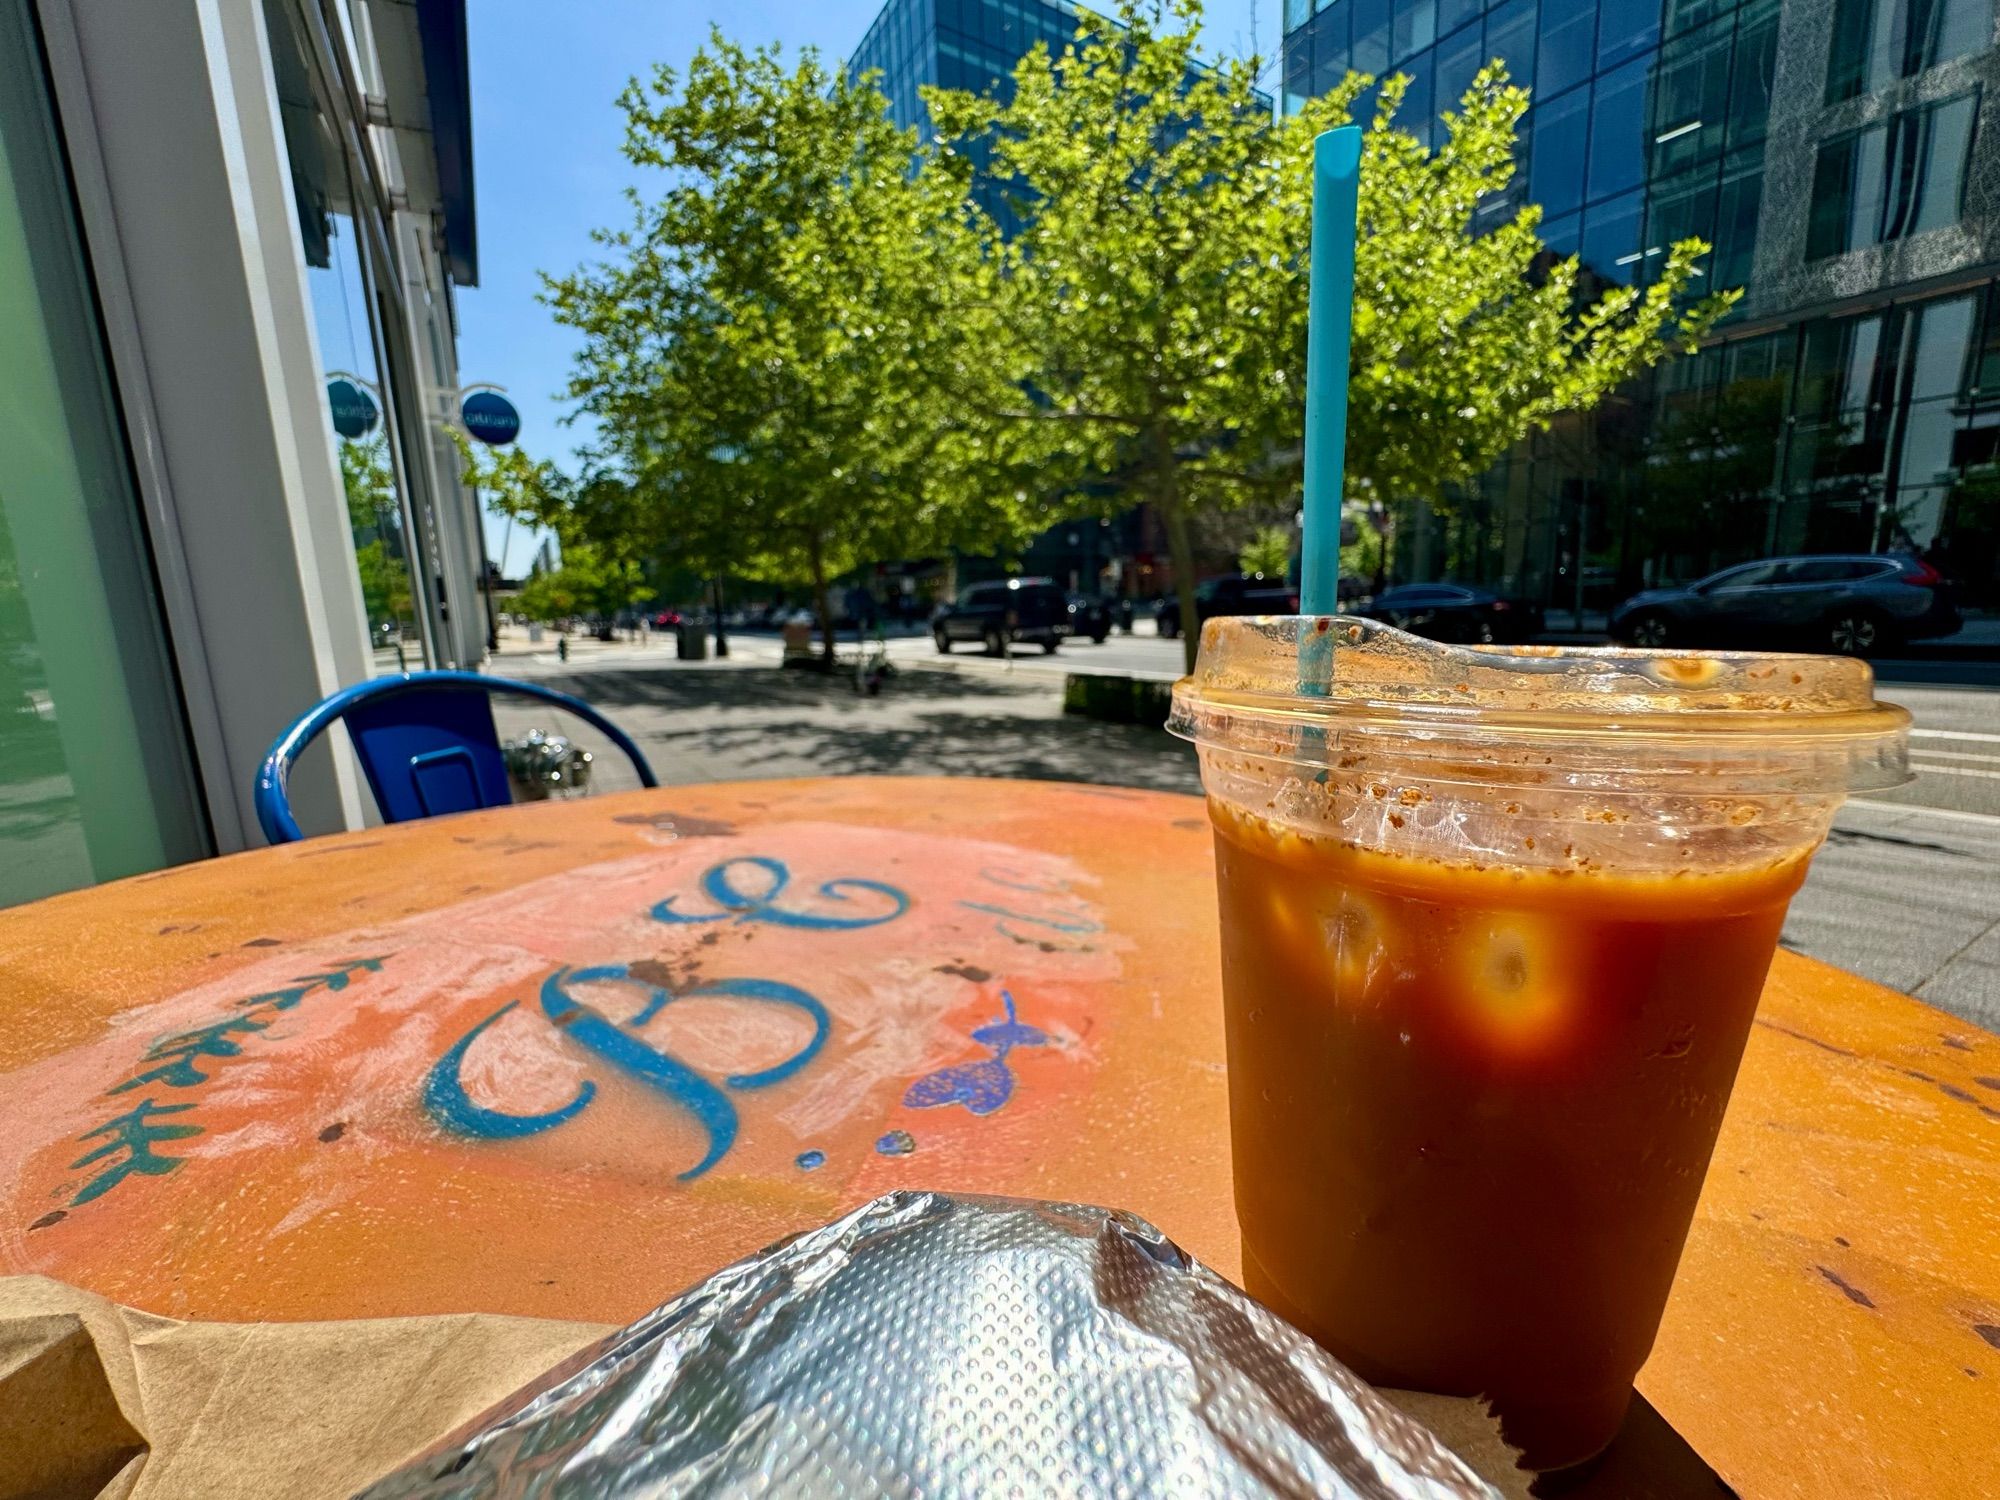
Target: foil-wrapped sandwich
[{"x": 932, "y": 1345}]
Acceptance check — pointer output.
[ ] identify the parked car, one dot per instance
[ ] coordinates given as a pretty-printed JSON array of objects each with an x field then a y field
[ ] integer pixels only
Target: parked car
[
  {"x": 666, "y": 619},
  {"x": 1030, "y": 610},
  {"x": 1452, "y": 612},
  {"x": 1231, "y": 594},
  {"x": 1089, "y": 617},
  {"x": 1850, "y": 603}
]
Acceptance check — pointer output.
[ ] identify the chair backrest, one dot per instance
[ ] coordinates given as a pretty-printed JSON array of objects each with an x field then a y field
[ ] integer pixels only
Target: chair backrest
[{"x": 426, "y": 743}]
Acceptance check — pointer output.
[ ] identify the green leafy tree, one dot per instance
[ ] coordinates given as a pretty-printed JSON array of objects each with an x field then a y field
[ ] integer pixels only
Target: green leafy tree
[
  {"x": 765, "y": 346},
  {"x": 376, "y": 521},
  {"x": 586, "y": 583},
  {"x": 1155, "y": 293},
  {"x": 1268, "y": 552}
]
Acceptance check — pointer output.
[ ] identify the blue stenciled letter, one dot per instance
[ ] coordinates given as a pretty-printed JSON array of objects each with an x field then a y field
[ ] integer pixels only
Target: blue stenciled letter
[{"x": 446, "y": 1100}]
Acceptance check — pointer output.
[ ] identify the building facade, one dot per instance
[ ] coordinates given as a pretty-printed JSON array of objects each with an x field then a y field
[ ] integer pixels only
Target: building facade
[
  {"x": 209, "y": 211},
  {"x": 1841, "y": 157}
]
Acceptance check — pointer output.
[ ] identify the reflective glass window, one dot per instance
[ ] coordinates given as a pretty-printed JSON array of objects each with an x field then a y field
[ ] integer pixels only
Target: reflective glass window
[
  {"x": 1691, "y": 97},
  {"x": 1329, "y": 50},
  {"x": 1846, "y": 193},
  {"x": 1926, "y": 165},
  {"x": 1685, "y": 15},
  {"x": 1563, "y": 236},
  {"x": 1837, "y": 365},
  {"x": 1452, "y": 14},
  {"x": 1877, "y": 41},
  {"x": 1611, "y": 235},
  {"x": 1416, "y": 26},
  {"x": 1756, "y": 66},
  {"x": 1568, "y": 45},
  {"x": 1561, "y": 134},
  {"x": 1297, "y": 13},
  {"x": 1510, "y": 36},
  {"x": 1419, "y": 112},
  {"x": 96, "y": 780},
  {"x": 1617, "y": 131},
  {"x": 1458, "y": 63},
  {"x": 1678, "y": 208},
  {"x": 1626, "y": 28},
  {"x": 1738, "y": 201},
  {"x": 1943, "y": 340},
  {"x": 1298, "y": 73},
  {"x": 1984, "y": 377},
  {"x": 1371, "y": 35},
  {"x": 1888, "y": 181},
  {"x": 1363, "y": 109}
]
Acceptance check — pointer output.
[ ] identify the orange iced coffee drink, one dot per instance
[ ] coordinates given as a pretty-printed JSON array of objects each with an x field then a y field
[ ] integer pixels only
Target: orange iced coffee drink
[{"x": 1494, "y": 925}]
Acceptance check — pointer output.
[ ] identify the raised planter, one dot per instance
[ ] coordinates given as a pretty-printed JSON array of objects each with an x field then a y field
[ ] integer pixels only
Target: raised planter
[{"x": 1118, "y": 700}]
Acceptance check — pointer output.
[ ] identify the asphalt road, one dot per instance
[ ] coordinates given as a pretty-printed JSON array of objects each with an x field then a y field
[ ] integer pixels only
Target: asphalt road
[
  {"x": 1906, "y": 891},
  {"x": 1955, "y": 742}
]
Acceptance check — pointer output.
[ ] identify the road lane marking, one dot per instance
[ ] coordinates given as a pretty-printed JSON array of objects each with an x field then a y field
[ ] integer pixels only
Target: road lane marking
[
  {"x": 1917, "y": 765},
  {"x": 1955, "y": 734},
  {"x": 1957, "y": 815}
]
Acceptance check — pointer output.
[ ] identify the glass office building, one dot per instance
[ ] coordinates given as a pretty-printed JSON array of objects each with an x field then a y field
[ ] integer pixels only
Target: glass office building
[{"x": 1840, "y": 157}]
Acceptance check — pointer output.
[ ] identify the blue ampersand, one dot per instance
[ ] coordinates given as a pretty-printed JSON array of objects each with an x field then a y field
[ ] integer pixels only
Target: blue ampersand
[
  {"x": 446, "y": 1100},
  {"x": 752, "y": 905}
]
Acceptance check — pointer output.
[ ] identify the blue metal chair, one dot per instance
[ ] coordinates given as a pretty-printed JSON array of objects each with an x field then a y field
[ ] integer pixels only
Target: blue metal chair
[{"x": 426, "y": 742}]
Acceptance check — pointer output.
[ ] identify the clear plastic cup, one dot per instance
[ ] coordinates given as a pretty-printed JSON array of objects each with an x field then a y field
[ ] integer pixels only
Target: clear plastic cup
[{"x": 1494, "y": 925}]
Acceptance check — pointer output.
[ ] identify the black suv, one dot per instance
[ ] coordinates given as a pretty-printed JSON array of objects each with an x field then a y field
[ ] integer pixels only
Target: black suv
[
  {"x": 1853, "y": 603},
  {"x": 1030, "y": 610},
  {"x": 1231, "y": 594}
]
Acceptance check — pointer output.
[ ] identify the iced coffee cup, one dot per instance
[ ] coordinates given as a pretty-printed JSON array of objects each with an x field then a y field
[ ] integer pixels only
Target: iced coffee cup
[{"x": 1494, "y": 925}]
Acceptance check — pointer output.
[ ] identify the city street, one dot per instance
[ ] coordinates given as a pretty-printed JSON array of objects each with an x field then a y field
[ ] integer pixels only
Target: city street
[{"x": 1907, "y": 891}]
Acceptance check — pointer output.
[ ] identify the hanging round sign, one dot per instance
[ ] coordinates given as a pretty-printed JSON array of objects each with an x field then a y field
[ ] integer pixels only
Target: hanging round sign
[
  {"x": 490, "y": 417},
  {"x": 354, "y": 412}
]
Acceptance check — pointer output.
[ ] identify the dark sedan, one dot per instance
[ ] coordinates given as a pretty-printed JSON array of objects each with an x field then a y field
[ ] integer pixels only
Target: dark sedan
[
  {"x": 1231, "y": 594},
  {"x": 1853, "y": 604},
  {"x": 1452, "y": 612}
]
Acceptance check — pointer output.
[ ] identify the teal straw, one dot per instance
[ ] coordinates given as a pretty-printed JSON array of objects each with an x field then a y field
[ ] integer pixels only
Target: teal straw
[{"x": 1329, "y": 333}]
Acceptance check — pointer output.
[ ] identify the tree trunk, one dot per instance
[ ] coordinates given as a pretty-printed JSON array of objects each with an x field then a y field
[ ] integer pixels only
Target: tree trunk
[
  {"x": 721, "y": 640},
  {"x": 822, "y": 606},
  {"x": 1180, "y": 541}
]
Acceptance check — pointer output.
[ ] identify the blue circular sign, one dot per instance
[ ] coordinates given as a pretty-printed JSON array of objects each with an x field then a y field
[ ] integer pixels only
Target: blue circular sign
[
  {"x": 354, "y": 410},
  {"x": 490, "y": 417}
]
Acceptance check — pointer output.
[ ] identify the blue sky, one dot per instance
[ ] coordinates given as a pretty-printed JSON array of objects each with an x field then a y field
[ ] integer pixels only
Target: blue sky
[{"x": 547, "y": 169}]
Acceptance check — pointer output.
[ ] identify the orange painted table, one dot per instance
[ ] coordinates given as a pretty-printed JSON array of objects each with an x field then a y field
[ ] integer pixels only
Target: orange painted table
[{"x": 564, "y": 1059}]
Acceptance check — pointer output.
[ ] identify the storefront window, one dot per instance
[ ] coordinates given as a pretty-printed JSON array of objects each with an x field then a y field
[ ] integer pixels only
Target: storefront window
[
  {"x": 96, "y": 779},
  {"x": 342, "y": 280}
]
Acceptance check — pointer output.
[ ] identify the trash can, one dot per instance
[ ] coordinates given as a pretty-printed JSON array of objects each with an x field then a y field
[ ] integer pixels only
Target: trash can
[{"x": 693, "y": 643}]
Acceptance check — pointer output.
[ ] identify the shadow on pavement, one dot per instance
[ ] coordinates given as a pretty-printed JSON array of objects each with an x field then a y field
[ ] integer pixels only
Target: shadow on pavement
[{"x": 748, "y": 723}]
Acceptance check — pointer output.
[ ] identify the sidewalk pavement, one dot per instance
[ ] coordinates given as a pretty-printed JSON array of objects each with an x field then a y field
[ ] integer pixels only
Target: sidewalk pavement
[{"x": 1907, "y": 896}]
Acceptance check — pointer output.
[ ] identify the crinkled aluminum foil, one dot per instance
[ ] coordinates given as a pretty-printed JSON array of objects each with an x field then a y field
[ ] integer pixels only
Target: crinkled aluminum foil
[{"x": 930, "y": 1345}]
